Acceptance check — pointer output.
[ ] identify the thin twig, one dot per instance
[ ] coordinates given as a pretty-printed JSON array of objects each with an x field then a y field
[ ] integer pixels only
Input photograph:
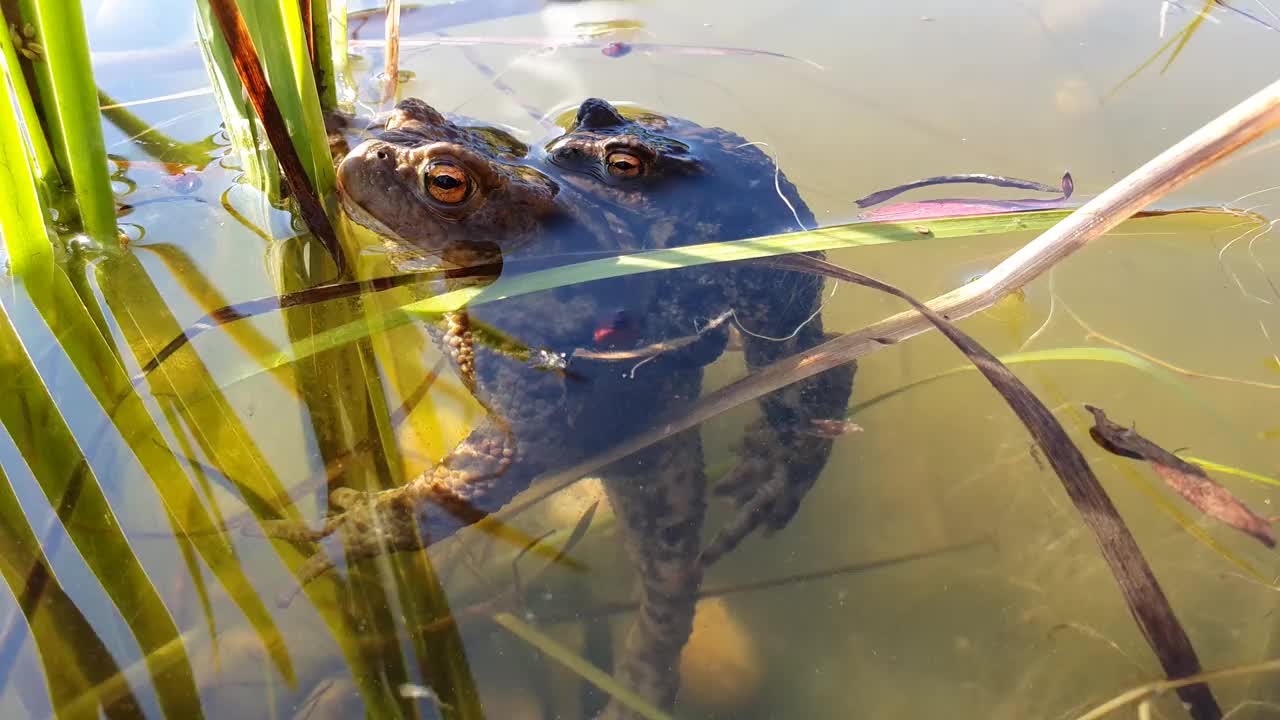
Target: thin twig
[
  {"x": 391, "y": 70},
  {"x": 1153, "y": 689},
  {"x": 1094, "y": 334}
]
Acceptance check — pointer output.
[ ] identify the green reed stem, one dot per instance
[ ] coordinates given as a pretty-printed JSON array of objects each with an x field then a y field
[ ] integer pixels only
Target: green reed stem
[
  {"x": 45, "y": 167},
  {"x": 327, "y": 47},
  {"x": 69, "y": 99}
]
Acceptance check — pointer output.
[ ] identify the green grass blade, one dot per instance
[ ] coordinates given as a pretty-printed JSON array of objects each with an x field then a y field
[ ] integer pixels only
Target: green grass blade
[
  {"x": 1231, "y": 470},
  {"x": 1064, "y": 354},
  {"x": 328, "y": 47},
  {"x": 74, "y": 658},
  {"x": 21, "y": 217},
  {"x": 69, "y": 98},
  {"x": 583, "y": 669},
  {"x": 186, "y": 389},
  {"x": 238, "y": 117},
  {"x": 54, "y": 296},
  {"x": 277, "y": 32},
  {"x": 342, "y": 81},
  {"x": 833, "y": 238},
  {"x": 37, "y": 428}
]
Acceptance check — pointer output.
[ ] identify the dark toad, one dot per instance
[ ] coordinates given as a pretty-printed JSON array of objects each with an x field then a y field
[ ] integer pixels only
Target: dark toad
[
  {"x": 619, "y": 185},
  {"x": 675, "y": 183}
]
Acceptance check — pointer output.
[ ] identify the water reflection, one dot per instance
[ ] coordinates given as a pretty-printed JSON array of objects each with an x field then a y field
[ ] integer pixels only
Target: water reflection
[{"x": 1034, "y": 627}]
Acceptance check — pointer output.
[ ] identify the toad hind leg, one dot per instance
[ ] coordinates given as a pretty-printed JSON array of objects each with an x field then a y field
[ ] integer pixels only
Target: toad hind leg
[
  {"x": 659, "y": 495},
  {"x": 781, "y": 456}
]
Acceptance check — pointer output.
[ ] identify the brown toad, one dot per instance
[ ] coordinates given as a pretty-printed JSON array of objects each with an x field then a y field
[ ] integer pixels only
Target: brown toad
[
  {"x": 619, "y": 186},
  {"x": 431, "y": 187}
]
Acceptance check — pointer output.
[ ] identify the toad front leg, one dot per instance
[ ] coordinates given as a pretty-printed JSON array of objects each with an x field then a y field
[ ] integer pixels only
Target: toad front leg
[
  {"x": 474, "y": 480},
  {"x": 500, "y": 457},
  {"x": 779, "y": 313}
]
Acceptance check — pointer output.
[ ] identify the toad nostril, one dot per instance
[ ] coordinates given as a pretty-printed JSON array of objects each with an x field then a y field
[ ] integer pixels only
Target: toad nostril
[{"x": 382, "y": 154}]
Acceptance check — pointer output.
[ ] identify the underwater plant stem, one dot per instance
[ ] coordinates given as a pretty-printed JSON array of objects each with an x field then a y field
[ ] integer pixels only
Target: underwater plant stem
[
  {"x": 391, "y": 70},
  {"x": 1150, "y": 690},
  {"x": 323, "y": 51},
  {"x": 1094, "y": 334}
]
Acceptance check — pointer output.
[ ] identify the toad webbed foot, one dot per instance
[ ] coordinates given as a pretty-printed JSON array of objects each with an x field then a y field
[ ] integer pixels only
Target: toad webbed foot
[
  {"x": 370, "y": 524},
  {"x": 780, "y": 460},
  {"x": 471, "y": 482}
]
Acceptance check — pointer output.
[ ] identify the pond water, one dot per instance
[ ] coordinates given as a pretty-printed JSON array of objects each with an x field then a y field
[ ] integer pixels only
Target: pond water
[{"x": 996, "y": 604}]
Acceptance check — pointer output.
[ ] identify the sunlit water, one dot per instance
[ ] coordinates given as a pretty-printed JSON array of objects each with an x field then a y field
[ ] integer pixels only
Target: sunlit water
[{"x": 1026, "y": 625}]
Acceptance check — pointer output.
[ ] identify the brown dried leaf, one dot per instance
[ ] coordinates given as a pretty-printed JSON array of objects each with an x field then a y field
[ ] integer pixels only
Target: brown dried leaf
[{"x": 1187, "y": 479}]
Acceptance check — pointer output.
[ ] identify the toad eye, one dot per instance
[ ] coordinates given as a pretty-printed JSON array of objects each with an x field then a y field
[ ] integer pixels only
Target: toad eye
[
  {"x": 447, "y": 183},
  {"x": 623, "y": 164}
]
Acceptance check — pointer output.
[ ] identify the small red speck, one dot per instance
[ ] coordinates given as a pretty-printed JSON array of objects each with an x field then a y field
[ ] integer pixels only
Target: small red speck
[
  {"x": 615, "y": 330},
  {"x": 184, "y": 183},
  {"x": 616, "y": 49}
]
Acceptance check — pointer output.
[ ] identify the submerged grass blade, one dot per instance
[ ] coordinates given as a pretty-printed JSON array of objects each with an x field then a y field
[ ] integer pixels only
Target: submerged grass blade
[
  {"x": 155, "y": 144},
  {"x": 1065, "y": 354},
  {"x": 583, "y": 669},
  {"x": 1185, "y": 36},
  {"x": 1136, "y": 581},
  {"x": 1231, "y": 470},
  {"x": 208, "y": 296},
  {"x": 1180, "y": 39},
  {"x": 52, "y": 293},
  {"x": 76, "y": 662},
  {"x": 37, "y": 428},
  {"x": 184, "y": 508},
  {"x": 187, "y": 390}
]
